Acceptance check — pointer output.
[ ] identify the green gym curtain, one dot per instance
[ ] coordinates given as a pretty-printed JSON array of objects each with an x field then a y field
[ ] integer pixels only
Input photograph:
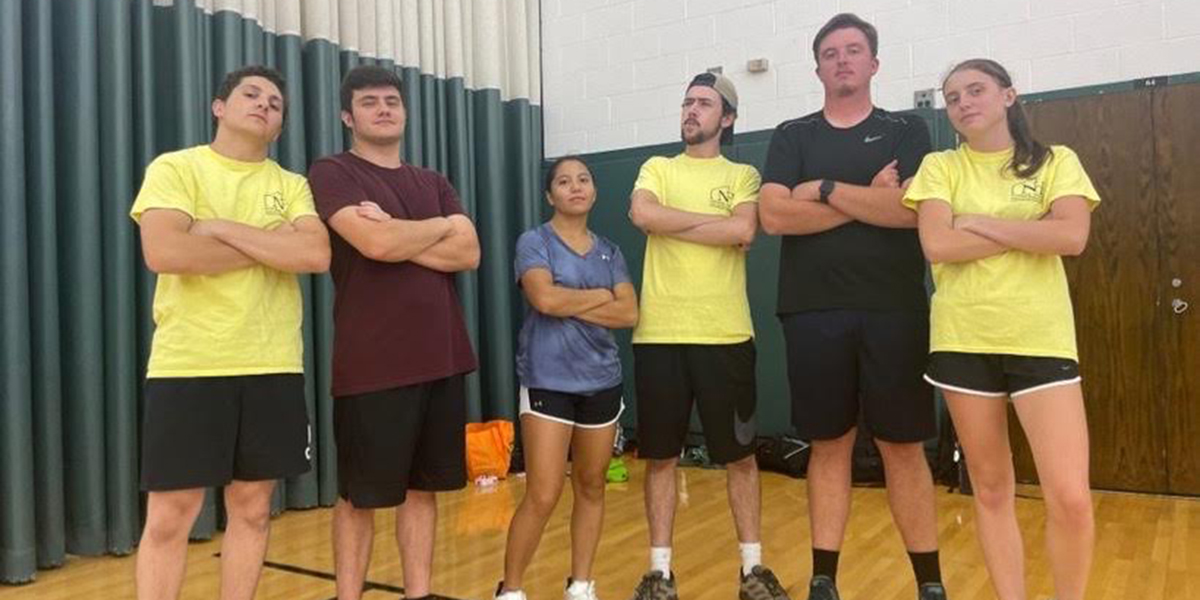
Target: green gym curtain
[{"x": 90, "y": 92}]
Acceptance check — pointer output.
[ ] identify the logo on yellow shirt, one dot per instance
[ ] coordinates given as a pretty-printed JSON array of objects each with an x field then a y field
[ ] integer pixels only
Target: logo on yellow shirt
[
  {"x": 1026, "y": 190},
  {"x": 721, "y": 198},
  {"x": 274, "y": 204}
]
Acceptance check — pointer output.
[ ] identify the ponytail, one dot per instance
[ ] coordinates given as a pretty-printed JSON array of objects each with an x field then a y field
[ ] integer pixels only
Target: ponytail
[{"x": 1028, "y": 153}]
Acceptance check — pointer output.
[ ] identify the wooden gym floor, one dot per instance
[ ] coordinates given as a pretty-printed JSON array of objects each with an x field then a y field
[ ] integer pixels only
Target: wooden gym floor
[{"x": 1147, "y": 548}]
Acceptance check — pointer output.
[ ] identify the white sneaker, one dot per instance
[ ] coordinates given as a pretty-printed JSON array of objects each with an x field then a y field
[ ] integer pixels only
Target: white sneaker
[
  {"x": 580, "y": 590},
  {"x": 509, "y": 595}
]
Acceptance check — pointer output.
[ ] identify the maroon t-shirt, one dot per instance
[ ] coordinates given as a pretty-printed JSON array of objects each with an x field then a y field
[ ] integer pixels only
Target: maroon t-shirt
[{"x": 394, "y": 324}]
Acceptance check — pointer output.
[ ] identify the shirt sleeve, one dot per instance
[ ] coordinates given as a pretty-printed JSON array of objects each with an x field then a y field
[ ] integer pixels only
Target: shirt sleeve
[
  {"x": 1069, "y": 179},
  {"x": 914, "y": 145},
  {"x": 620, "y": 269},
  {"x": 448, "y": 198},
  {"x": 748, "y": 185},
  {"x": 785, "y": 165},
  {"x": 931, "y": 182},
  {"x": 333, "y": 187},
  {"x": 165, "y": 186},
  {"x": 300, "y": 199},
  {"x": 531, "y": 253},
  {"x": 650, "y": 178}
]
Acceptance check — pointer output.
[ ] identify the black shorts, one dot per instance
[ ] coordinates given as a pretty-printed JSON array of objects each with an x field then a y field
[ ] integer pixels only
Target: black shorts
[
  {"x": 594, "y": 411},
  {"x": 999, "y": 375},
  {"x": 388, "y": 442},
  {"x": 207, "y": 431},
  {"x": 847, "y": 363},
  {"x": 720, "y": 377}
]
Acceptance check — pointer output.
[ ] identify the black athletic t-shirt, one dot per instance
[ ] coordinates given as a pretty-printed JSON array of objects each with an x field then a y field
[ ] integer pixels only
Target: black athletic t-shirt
[{"x": 856, "y": 265}]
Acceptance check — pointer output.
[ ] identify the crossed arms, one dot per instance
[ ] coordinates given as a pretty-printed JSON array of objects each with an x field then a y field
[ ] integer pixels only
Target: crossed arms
[
  {"x": 616, "y": 308},
  {"x": 736, "y": 229},
  {"x": 446, "y": 244},
  {"x": 173, "y": 242},
  {"x": 947, "y": 238},
  {"x": 798, "y": 211}
]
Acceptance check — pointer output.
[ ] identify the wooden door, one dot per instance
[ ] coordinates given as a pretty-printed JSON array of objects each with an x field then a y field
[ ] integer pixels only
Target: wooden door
[
  {"x": 1177, "y": 150},
  {"x": 1115, "y": 288}
]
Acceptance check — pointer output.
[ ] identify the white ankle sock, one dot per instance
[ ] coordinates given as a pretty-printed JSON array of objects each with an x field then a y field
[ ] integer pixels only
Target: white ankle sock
[
  {"x": 660, "y": 560},
  {"x": 751, "y": 556},
  {"x": 577, "y": 587}
]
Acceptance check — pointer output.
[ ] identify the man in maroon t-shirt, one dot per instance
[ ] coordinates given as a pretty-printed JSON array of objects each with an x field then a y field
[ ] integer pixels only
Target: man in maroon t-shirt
[{"x": 400, "y": 347}]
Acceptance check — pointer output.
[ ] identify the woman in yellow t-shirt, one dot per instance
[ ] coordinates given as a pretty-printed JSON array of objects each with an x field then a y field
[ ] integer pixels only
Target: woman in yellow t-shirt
[{"x": 995, "y": 216}]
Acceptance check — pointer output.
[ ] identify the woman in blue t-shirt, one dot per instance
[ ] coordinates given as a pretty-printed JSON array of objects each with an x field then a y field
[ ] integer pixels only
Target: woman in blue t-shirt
[{"x": 578, "y": 289}]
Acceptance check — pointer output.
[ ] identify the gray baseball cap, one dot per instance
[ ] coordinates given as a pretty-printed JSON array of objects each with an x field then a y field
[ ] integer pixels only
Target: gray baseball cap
[{"x": 725, "y": 88}]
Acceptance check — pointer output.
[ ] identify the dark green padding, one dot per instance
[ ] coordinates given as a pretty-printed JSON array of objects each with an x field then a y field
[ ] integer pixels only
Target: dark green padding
[{"x": 93, "y": 91}]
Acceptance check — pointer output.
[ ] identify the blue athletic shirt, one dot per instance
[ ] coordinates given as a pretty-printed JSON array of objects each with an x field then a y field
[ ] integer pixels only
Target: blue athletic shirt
[{"x": 568, "y": 354}]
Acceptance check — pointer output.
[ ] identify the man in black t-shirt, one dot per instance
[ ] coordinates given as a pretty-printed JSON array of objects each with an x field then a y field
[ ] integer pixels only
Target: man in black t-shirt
[{"x": 852, "y": 299}]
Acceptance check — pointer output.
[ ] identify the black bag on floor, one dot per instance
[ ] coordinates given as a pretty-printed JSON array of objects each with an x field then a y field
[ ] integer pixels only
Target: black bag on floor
[
  {"x": 866, "y": 465},
  {"x": 783, "y": 454},
  {"x": 949, "y": 464}
]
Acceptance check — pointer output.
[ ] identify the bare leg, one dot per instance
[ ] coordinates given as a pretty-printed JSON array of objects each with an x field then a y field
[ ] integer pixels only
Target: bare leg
[
  {"x": 248, "y": 508},
  {"x": 162, "y": 553},
  {"x": 660, "y": 500},
  {"x": 745, "y": 498},
  {"x": 910, "y": 494},
  {"x": 416, "y": 524},
  {"x": 591, "y": 452},
  {"x": 982, "y": 425},
  {"x": 829, "y": 490},
  {"x": 353, "y": 536},
  {"x": 545, "y": 444},
  {"x": 1056, "y": 425}
]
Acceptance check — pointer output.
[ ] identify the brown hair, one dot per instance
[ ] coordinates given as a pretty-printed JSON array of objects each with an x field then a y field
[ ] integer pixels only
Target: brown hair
[
  {"x": 363, "y": 77},
  {"x": 846, "y": 21},
  {"x": 1029, "y": 155},
  {"x": 234, "y": 78}
]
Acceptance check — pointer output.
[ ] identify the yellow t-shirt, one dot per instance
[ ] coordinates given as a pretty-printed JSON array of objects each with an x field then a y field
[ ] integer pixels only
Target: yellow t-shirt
[
  {"x": 1011, "y": 303},
  {"x": 694, "y": 293},
  {"x": 243, "y": 322}
]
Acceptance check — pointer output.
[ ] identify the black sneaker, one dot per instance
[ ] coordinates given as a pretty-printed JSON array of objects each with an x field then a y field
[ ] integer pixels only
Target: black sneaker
[
  {"x": 821, "y": 588},
  {"x": 760, "y": 584},
  {"x": 931, "y": 591},
  {"x": 654, "y": 586}
]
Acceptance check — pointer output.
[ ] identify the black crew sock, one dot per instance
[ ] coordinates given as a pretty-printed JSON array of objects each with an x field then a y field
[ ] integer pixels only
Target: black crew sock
[
  {"x": 926, "y": 567},
  {"x": 825, "y": 563}
]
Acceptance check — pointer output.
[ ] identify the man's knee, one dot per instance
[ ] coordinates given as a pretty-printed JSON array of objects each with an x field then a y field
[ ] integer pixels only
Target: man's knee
[
  {"x": 170, "y": 515},
  {"x": 743, "y": 466},
  {"x": 835, "y": 450},
  {"x": 249, "y": 503}
]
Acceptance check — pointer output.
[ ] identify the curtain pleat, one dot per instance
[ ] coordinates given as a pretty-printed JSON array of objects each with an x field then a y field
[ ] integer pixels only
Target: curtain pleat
[{"x": 93, "y": 90}]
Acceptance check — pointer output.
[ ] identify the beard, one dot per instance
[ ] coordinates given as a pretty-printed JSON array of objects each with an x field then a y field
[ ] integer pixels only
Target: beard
[
  {"x": 700, "y": 135},
  {"x": 845, "y": 90}
]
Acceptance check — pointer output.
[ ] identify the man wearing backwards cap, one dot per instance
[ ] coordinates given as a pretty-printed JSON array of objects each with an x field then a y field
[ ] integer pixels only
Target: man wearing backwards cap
[{"x": 694, "y": 339}]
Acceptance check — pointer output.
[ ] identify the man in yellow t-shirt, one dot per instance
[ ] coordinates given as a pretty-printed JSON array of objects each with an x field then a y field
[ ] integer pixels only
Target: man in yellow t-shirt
[
  {"x": 694, "y": 339},
  {"x": 226, "y": 229}
]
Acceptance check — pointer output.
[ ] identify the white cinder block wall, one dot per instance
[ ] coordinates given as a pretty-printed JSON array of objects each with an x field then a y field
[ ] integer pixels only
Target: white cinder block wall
[{"x": 614, "y": 70}]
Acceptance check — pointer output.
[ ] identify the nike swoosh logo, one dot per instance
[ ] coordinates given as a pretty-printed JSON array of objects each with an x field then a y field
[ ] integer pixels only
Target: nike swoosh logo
[
  {"x": 743, "y": 431},
  {"x": 872, "y": 138}
]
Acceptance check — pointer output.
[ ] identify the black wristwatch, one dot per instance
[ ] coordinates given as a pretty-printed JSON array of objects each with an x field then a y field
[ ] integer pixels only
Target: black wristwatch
[{"x": 826, "y": 189}]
